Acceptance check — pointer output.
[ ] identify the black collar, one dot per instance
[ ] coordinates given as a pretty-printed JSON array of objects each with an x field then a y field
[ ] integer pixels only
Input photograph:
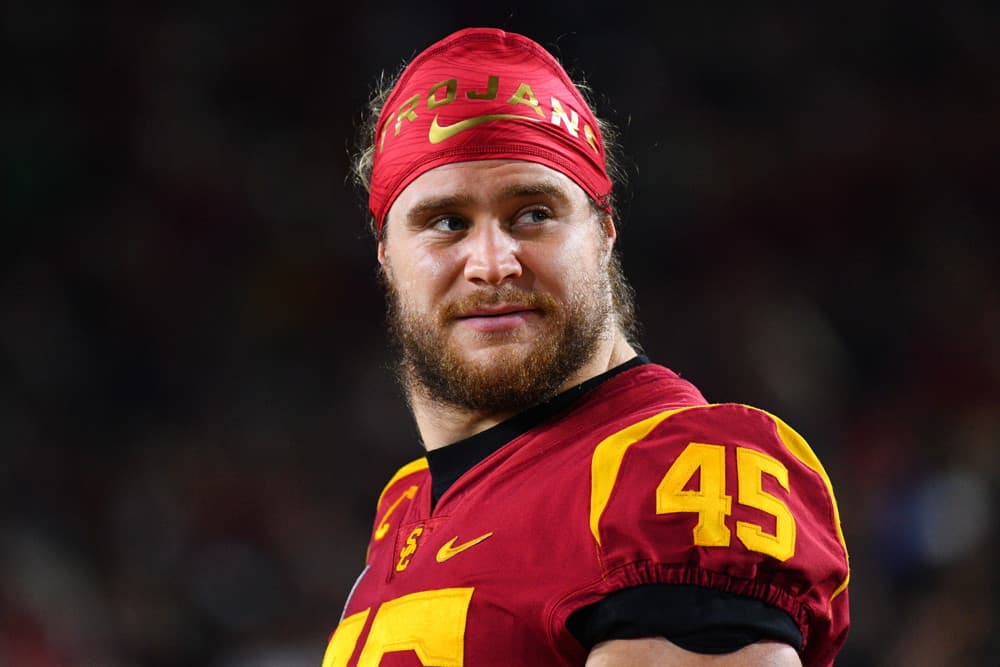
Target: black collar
[{"x": 449, "y": 463}]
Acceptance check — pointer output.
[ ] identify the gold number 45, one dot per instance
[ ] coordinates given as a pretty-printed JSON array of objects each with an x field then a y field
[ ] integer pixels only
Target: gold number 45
[
  {"x": 710, "y": 502},
  {"x": 429, "y": 623}
]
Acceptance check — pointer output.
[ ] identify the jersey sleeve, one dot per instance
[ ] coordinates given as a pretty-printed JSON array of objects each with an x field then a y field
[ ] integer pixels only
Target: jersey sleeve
[{"x": 726, "y": 497}]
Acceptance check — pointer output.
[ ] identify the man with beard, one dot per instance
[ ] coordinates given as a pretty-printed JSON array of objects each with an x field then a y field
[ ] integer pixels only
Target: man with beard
[{"x": 577, "y": 504}]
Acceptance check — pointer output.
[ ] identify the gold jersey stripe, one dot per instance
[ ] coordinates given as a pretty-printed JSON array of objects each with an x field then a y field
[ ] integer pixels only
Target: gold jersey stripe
[
  {"x": 408, "y": 469},
  {"x": 607, "y": 459},
  {"x": 801, "y": 450}
]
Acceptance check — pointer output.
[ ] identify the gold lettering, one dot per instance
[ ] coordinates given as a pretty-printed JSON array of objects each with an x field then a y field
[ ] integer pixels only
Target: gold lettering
[
  {"x": 407, "y": 111},
  {"x": 433, "y": 102},
  {"x": 491, "y": 90},
  {"x": 381, "y": 141},
  {"x": 559, "y": 116},
  {"x": 406, "y": 553},
  {"x": 591, "y": 139},
  {"x": 524, "y": 95}
]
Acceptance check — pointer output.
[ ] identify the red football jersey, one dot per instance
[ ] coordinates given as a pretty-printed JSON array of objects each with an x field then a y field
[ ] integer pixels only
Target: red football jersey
[{"x": 638, "y": 482}]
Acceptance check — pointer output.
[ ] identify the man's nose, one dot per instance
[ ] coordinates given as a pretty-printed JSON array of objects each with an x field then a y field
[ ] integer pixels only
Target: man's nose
[{"x": 492, "y": 255}]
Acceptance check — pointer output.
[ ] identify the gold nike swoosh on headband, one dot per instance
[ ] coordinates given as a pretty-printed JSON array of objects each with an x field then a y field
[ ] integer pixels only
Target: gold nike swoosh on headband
[{"x": 439, "y": 133}]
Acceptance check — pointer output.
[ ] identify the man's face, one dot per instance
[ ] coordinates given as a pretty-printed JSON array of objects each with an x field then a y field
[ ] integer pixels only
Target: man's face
[{"x": 497, "y": 282}]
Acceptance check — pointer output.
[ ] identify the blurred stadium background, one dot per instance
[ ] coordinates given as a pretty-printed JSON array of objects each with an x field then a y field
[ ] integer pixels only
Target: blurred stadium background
[{"x": 196, "y": 415}]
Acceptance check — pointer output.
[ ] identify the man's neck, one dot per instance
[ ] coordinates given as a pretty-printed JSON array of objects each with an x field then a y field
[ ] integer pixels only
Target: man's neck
[{"x": 441, "y": 424}]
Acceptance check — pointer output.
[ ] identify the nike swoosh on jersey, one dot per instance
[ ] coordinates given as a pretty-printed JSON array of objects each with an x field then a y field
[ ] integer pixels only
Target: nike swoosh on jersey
[
  {"x": 439, "y": 133},
  {"x": 449, "y": 549}
]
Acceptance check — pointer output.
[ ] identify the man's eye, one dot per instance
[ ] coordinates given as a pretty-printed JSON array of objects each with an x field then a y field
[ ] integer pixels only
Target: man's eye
[
  {"x": 450, "y": 225},
  {"x": 534, "y": 216}
]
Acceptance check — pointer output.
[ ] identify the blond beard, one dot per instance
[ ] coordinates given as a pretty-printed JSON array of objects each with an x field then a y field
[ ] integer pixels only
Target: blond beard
[{"x": 509, "y": 381}]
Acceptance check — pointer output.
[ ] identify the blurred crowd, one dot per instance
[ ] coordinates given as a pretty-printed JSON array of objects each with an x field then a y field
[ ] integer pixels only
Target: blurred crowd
[{"x": 197, "y": 406}]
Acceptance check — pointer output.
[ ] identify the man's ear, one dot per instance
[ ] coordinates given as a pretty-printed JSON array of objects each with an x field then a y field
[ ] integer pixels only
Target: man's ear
[
  {"x": 609, "y": 228},
  {"x": 381, "y": 253}
]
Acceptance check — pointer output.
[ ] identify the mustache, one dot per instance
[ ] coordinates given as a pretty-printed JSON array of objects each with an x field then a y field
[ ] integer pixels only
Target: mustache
[{"x": 506, "y": 294}]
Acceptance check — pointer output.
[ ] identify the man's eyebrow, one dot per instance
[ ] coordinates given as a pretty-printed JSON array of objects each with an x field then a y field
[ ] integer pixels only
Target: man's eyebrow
[
  {"x": 534, "y": 188},
  {"x": 424, "y": 207}
]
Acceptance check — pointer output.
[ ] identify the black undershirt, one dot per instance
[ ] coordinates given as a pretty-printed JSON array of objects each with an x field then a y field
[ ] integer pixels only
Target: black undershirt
[
  {"x": 449, "y": 463},
  {"x": 702, "y": 620}
]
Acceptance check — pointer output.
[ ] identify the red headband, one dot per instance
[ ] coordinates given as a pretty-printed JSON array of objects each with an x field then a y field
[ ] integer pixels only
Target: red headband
[{"x": 481, "y": 94}]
